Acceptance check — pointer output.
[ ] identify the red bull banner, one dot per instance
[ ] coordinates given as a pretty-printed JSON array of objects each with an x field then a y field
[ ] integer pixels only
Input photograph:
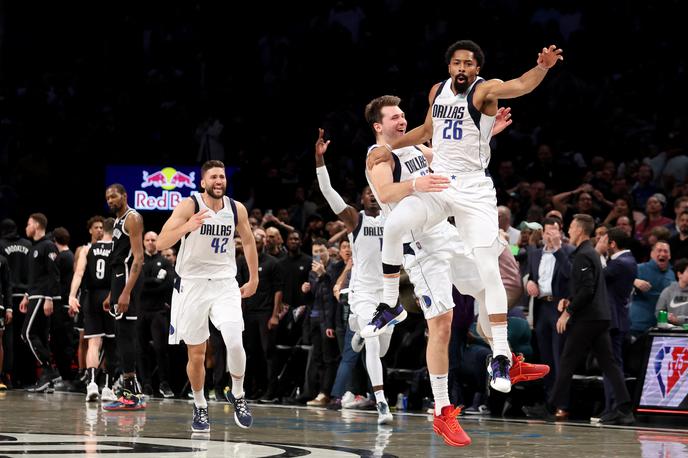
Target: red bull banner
[{"x": 155, "y": 187}]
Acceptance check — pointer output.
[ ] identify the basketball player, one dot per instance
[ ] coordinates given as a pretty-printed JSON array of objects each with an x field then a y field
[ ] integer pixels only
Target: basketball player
[
  {"x": 43, "y": 290},
  {"x": 364, "y": 230},
  {"x": 434, "y": 259},
  {"x": 126, "y": 262},
  {"x": 95, "y": 230},
  {"x": 459, "y": 122},
  {"x": 207, "y": 287},
  {"x": 93, "y": 276}
]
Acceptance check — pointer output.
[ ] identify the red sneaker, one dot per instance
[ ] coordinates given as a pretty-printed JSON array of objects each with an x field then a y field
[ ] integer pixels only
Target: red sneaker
[
  {"x": 521, "y": 371},
  {"x": 447, "y": 426}
]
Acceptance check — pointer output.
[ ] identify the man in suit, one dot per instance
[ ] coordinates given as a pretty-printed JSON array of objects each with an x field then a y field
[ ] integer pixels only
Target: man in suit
[
  {"x": 549, "y": 268},
  {"x": 587, "y": 316},
  {"x": 619, "y": 274}
]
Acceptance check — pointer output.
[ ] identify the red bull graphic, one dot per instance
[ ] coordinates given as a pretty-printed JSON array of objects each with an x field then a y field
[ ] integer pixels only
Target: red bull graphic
[
  {"x": 666, "y": 377},
  {"x": 168, "y": 179},
  {"x": 159, "y": 187}
]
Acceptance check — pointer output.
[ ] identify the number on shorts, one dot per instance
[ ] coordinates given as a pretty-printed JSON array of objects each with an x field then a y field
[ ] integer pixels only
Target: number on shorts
[
  {"x": 100, "y": 269},
  {"x": 219, "y": 244},
  {"x": 455, "y": 127}
]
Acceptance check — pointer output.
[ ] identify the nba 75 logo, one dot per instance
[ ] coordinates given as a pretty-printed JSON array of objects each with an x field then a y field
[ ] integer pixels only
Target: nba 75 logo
[{"x": 673, "y": 369}]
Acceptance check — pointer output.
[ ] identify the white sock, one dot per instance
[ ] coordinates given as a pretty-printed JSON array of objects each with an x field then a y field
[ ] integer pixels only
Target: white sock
[
  {"x": 237, "y": 386},
  {"x": 440, "y": 390},
  {"x": 390, "y": 292},
  {"x": 199, "y": 399},
  {"x": 92, "y": 373},
  {"x": 380, "y": 396},
  {"x": 500, "y": 341}
]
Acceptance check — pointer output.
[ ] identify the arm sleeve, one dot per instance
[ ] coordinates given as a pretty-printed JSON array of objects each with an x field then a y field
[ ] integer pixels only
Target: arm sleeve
[
  {"x": 333, "y": 198},
  {"x": 664, "y": 299}
]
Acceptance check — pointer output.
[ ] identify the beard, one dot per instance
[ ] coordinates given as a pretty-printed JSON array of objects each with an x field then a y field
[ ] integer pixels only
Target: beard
[
  {"x": 215, "y": 194},
  {"x": 460, "y": 86},
  {"x": 115, "y": 210}
]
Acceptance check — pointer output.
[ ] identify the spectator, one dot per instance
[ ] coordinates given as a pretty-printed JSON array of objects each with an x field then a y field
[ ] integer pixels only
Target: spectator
[
  {"x": 295, "y": 267},
  {"x": 674, "y": 298},
  {"x": 619, "y": 274},
  {"x": 680, "y": 206},
  {"x": 643, "y": 189},
  {"x": 679, "y": 242},
  {"x": 505, "y": 225},
  {"x": 653, "y": 210},
  {"x": 653, "y": 277},
  {"x": 275, "y": 244}
]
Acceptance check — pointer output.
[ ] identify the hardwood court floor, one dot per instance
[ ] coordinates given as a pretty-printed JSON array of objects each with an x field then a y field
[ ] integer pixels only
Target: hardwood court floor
[{"x": 63, "y": 425}]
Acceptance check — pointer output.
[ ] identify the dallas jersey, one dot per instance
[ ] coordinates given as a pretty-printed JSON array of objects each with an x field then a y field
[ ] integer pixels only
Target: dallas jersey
[
  {"x": 366, "y": 252},
  {"x": 461, "y": 134},
  {"x": 209, "y": 252},
  {"x": 98, "y": 266}
]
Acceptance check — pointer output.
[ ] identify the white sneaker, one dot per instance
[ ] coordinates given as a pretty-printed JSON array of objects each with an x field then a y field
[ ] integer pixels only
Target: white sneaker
[
  {"x": 92, "y": 392},
  {"x": 357, "y": 342},
  {"x": 107, "y": 395},
  {"x": 347, "y": 399},
  {"x": 384, "y": 416}
]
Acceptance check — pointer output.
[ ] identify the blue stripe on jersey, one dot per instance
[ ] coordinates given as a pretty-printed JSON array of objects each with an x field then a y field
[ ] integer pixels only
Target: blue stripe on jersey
[
  {"x": 396, "y": 174},
  {"x": 234, "y": 210},
  {"x": 472, "y": 110},
  {"x": 358, "y": 226},
  {"x": 439, "y": 91}
]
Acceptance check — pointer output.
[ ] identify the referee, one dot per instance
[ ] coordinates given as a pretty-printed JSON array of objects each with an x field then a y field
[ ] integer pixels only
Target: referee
[{"x": 587, "y": 315}]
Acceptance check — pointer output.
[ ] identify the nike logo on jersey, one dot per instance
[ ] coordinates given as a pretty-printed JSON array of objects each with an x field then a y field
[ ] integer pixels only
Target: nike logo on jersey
[
  {"x": 119, "y": 275},
  {"x": 584, "y": 269}
]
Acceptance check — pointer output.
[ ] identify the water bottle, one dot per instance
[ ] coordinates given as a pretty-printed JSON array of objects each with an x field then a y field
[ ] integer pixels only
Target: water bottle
[{"x": 662, "y": 317}]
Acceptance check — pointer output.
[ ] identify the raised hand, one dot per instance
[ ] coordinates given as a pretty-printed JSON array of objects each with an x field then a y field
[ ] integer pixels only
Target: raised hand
[
  {"x": 320, "y": 144},
  {"x": 549, "y": 56},
  {"x": 502, "y": 120},
  {"x": 197, "y": 219}
]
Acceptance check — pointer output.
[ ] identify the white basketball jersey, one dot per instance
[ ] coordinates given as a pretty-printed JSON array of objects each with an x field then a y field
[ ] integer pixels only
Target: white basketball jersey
[
  {"x": 208, "y": 252},
  {"x": 461, "y": 134},
  {"x": 409, "y": 163},
  {"x": 366, "y": 251}
]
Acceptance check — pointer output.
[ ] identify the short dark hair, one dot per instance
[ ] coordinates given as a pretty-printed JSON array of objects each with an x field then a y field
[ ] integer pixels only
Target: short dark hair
[
  {"x": 93, "y": 220},
  {"x": 680, "y": 265},
  {"x": 207, "y": 165},
  {"x": 468, "y": 45},
  {"x": 618, "y": 236},
  {"x": 40, "y": 218},
  {"x": 373, "y": 111},
  {"x": 295, "y": 231},
  {"x": 679, "y": 201},
  {"x": 108, "y": 225},
  {"x": 61, "y": 235},
  {"x": 320, "y": 241},
  {"x": 586, "y": 222},
  {"x": 550, "y": 220},
  {"x": 117, "y": 187}
]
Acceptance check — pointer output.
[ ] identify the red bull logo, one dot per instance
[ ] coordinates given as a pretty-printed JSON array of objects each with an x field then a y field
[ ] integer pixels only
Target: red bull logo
[
  {"x": 168, "y": 179},
  {"x": 172, "y": 183}
]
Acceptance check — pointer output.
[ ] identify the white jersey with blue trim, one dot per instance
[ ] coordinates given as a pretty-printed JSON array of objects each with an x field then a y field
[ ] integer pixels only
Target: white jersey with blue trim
[
  {"x": 366, "y": 251},
  {"x": 409, "y": 163},
  {"x": 209, "y": 252},
  {"x": 460, "y": 133}
]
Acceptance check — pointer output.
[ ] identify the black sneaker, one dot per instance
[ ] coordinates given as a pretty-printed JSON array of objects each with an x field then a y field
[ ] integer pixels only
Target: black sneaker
[
  {"x": 165, "y": 390},
  {"x": 45, "y": 382},
  {"x": 617, "y": 417},
  {"x": 148, "y": 390},
  {"x": 201, "y": 421},
  {"x": 242, "y": 414},
  {"x": 539, "y": 412}
]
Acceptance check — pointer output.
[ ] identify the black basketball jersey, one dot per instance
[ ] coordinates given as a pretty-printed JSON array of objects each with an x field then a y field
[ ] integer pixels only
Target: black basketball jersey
[
  {"x": 98, "y": 266},
  {"x": 121, "y": 252}
]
